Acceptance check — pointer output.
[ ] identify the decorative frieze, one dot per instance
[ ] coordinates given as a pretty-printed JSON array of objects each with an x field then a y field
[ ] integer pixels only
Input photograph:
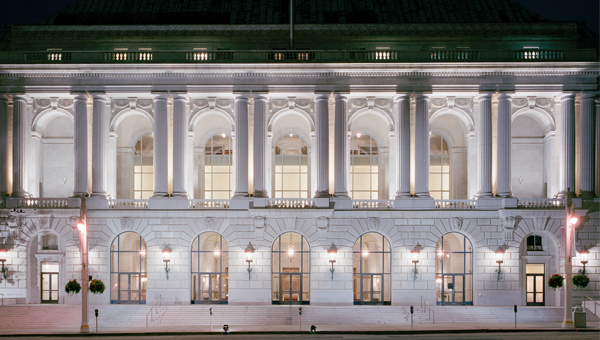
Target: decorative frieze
[
  {"x": 209, "y": 222},
  {"x": 322, "y": 225},
  {"x": 456, "y": 223}
]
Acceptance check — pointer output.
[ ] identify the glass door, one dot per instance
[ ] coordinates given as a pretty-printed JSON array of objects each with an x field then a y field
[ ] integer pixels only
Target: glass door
[
  {"x": 453, "y": 289},
  {"x": 49, "y": 282},
  {"x": 534, "y": 274},
  {"x": 132, "y": 288},
  {"x": 371, "y": 289}
]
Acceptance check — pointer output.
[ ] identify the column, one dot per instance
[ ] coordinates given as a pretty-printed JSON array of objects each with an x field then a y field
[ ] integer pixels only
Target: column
[
  {"x": 99, "y": 134},
  {"x": 484, "y": 146},
  {"x": 422, "y": 146},
  {"x": 241, "y": 146},
  {"x": 402, "y": 112},
  {"x": 190, "y": 163},
  {"x": 3, "y": 145},
  {"x": 80, "y": 187},
  {"x": 503, "y": 185},
  {"x": 260, "y": 145},
  {"x": 567, "y": 144},
  {"x": 161, "y": 145},
  {"x": 340, "y": 145},
  {"x": 322, "y": 144},
  {"x": 586, "y": 145},
  {"x": 180, "y": 106},
  {"x": 20, "y": 146}
]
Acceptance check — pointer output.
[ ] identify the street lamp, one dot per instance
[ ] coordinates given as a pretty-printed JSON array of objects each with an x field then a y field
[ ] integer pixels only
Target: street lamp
[
  {"x": 570, "y": 225},
  {"x": 4, "y": 269},
  {"x": 332, "y": 251},
  {"x": 584, "y": 259},
  {"x": 249, "y": 251},
  {"x": 414, "y": 254},
  {"x": 166, "y": 259},
  {"x": 499, "y": 261}
]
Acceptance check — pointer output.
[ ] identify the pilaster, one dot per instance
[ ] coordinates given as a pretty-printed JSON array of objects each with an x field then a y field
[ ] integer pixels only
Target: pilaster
[
  {"x": 402, "y": 112},
  {"x": 567, "y": 144},
  {"x": 484, "y": 146},
  {"x": 341, "y": 146},
  {"x": 160, "y": 160},
  {"x": 587, "y": 136},
  {"x": 180, "y": 113},
  {"x": 80, "y": 146},
  {"x": 322, "y": 145}
]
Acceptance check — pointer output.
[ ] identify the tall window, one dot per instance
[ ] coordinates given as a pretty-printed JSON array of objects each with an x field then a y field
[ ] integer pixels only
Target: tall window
[
  {"x": 439, "y": 169},
  {"x": 534, "y": 243},
  {"x": 454, "y": 270},
  {"x": 143, "y": 168},
  {"x": 364, "y": 168},
  {"x": 128, "y": 269},
  {"x": 291, "y": 270},
  {"x": 210, "y": 269},
  {"x": 218, "y": 167},
  {"x": 291, "y": 167},
  {"x": 371, "y": 259}
]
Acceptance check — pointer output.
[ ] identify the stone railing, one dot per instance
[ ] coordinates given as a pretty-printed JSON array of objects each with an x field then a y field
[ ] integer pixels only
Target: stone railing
[
  {"x": 209, "y": 204},
  {"x": 541, "y": 203},
  {"x": 291, "y": 203},
  {"x": 539, "y": 55},
  {"x": 455, "y": 204},
  {"x": 127, "y": 204},
  {"x": 41, "y": 203},
  {"x": 372, "y": 204}
]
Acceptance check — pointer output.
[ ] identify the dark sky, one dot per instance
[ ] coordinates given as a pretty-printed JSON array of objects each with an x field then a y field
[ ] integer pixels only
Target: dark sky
[{"x": 32, "y": 11}]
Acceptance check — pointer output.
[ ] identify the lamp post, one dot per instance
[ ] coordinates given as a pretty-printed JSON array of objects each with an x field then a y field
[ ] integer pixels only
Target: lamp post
[
  {"x": 3, "y": 259},
  {"x": 249, "y": 251},
  {"x": 332, "y": 251},
  {"x": 83, "y": 240},
  {"x": 570, "y": 224}
]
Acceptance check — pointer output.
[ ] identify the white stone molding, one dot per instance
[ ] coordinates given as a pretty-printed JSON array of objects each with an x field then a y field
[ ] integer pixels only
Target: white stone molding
[
  {"x": 456, "y": 223},
  {"x": 127, "y": 223},
  {"x": 373, "y": 223},
  {"x": 509, "y": 224},
  {"x": 209, "y": 222},
  {"x": 322, "y": 225}
]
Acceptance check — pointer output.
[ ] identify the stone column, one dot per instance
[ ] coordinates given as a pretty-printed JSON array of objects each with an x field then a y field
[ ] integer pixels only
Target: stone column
[
  {"x": 180, "y": 106},
  {"x": 484, "y": 145},
  {"x": 340, "y": 145},
  {"x": 241, "y": 146},
  {"x": 586, "y": 145},
  {"x": 503, "y": 185},
  {"x": 99, "y": 134},
  {"x": 20, "y": 135},
  {"x": 402, "y": 112},
  {"x": 322, "y": 144},
  {"x": 4, "y": 145},
  {"x": 422, "y": 146},
  {"x": 190, "y": 161},
  {"x": 567, "y": 144},
  {"x": 80, "y": 146},
  {"x": 260, "y": 145},
  {"x": 161, "y": 145}
]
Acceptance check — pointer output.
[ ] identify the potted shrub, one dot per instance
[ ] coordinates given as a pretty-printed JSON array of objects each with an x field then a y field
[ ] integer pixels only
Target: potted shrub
[
  {"x": 97, "y": 286},
  {"x": 73, "y": 287},
  {"x": 556, "y": 281},
  {"x": 580, "y": 281}
]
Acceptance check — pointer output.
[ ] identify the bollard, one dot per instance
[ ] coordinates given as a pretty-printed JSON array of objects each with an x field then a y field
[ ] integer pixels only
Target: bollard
[
  {"x": 211, "y": 319},
  {"x": 515, "y": 307},
  {"x": 412, "y": 311},
  {"x": 96, "y": 312},
  {"x": 300, "y": 312}
]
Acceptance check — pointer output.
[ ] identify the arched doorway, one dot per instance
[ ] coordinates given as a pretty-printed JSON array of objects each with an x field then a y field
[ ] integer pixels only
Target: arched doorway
[
  {"x": 372, "y": 263},
  {"x": 210, "y": 269},
  {"x": 291, "y": 270},
  {"x": 454, "y": 270},
  {"x": 128, "y": 272}
]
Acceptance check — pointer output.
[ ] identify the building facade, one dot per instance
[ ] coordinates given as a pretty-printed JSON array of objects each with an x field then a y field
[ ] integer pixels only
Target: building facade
[{"x": 360, "y": 159}]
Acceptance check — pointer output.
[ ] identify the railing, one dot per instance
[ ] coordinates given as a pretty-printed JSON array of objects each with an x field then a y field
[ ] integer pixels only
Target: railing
[
  {"x": 127, "y": 204},
  {"x": 2, "y": 299},
  {"x": 425, "y": 307},
  {"x": 291, "y": 203},
  {"x": 151, "y": 312},
  {"x": 595, "y": 303},
  {"x": 373, "y": 204},
  {"x": 297, "y": 56},
  {"x": 455, "y": 204},
  {"x": 40, "y": 203},
  {"x": 209, "y": 204},
  {"x": 541, "y": 203}
]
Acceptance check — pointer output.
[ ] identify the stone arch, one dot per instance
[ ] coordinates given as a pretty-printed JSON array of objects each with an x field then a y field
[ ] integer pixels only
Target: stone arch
[
  {"x": 376, "y": 112},
  {"x": 540, "y": 116},
  {"x": 207, "y": 112},
  {"x": 462, "y": 115},
  {"x": 446, "y": 135},
  {"x": 43, "y": 118},
  {"x": 283, "y": 112},
  {"x": 121, "y": 115}
]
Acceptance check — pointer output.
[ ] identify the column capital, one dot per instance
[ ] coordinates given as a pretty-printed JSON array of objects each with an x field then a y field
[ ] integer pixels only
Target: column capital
[
  {"x": 260, "y": 96},
  {"x": 566, "y": 96},
  {"x": 160, "y": 95},
  {"x": 21, "y": 97},
  {"x": 422, "y": 96},
  {"x": 321, "y": 96},
  {"x": 80, "y": 96},
  {"x": 504, "y": 95},
  {"x": 341, "y": 96},
  {"x": 401, "y": 96},
  {"x": 587, "y": 95},
  {"x": 99, "y": 96},
  {"x": 241, "y": 96},
  {"x": 483, "y": 96},
  {"x": 180, "y": 96}
]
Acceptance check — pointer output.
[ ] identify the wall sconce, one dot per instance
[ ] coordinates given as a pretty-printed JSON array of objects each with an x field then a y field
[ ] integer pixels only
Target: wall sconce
[
  {"x": 332, "y": 251},
  {"x": 166, "y": 259},
  {"x": 584, "y": 253},
  {"x": 415, "y": 253},
  {"x": 4, "y": 269},
  {"x": 499, "y": 260},
  {"x": 249, "y": 257}
]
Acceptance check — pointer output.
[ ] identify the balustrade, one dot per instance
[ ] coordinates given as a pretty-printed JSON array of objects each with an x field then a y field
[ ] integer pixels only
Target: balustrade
[
  {"x": 127, "y": 204},
  {"x": 40, "y": 203},
  {"x": 373, "y": 204},
  {"x": 455, "y": 204},
  {"x": 209, "y": 204},
  {"x": 291, "y": 203},
  {"x": 541, "y": 203}
]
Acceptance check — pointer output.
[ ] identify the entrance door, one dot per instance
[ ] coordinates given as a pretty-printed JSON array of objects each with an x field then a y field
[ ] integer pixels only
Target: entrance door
[
  {"x": 371, "y": 292},
  {"x": 208, "y": 288},
  {"x": 290, "y": 289},
  {"x": 49, "y": 282},
  {"x": 453, "y": 289},
  {"x": 534, "y": 273},
  {"x": 132, "y": 288}
]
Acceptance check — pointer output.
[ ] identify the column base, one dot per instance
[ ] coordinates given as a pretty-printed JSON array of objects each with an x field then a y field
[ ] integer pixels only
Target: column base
[
  {"x": 84, "y": 329},
  {"x": 484, "y": 195},
  {"x": 401, "y": 195},
  {"x": 321, "y": 194},
  {"x": 342, "y": 203},
  {"x": 97, "y": 202},
  {"x": 240, "y": 203},
  {"x": 168, "y": 203},
  {"x": 23, "y": 194},
  {"x": 414, "y": 203},
  {"x": 567, "y": 324},
  {"x": 180, "y": 194},
  {"x": 586, "y": 195},
  {"x": 510, "y": 202},
  {"x": 99, "y": 194},
  {"x": 489, "y": 203},
  {"x": 261, "y": 194}
]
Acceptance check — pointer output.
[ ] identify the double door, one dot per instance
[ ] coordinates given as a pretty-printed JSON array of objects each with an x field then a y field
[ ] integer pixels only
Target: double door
[
  {"x": 209, "y": 288},
  {"x": 534, "y": 274},
  {"x": 371, "y": 289},
  {"x": 453, "y": 292},
  {"x": 132, "y": 288},
  {"x": 49, "y": 274}
]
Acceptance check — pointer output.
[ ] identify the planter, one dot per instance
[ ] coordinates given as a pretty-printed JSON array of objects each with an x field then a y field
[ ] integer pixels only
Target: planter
[
  {"x": 556, "y": 281},
  {"x": 580, "y": 281},
  {"x": 72, "y": 287},
  {"x": 97, "y": 286}
]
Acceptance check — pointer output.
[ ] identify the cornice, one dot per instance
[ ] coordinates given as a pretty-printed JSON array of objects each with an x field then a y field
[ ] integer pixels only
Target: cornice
[{"x": 475, "y": 29}]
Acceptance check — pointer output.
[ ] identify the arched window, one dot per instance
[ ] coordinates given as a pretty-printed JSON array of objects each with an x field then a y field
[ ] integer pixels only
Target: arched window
[
  {"x": 143, "y": 168},
  {"x": 439, "y": 168},
  {"x": 210, "y": 269},
  {"x": 454, "y": 270},
  {"x": 364, "y": 168},
  {"x": 291, "y": 269},
  {"x": 128, "y": 270},
  {"x": 49, "y": 242},
  {"x": 534, "y": 243},
  {"x": 291, "y": 167},
  {"x": 372, "y": 260},
  {"x": 218, "y": 167}
]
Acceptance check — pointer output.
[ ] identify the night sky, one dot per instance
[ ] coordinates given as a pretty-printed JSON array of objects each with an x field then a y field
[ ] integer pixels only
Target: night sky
[{"x": 33, "y": 11}]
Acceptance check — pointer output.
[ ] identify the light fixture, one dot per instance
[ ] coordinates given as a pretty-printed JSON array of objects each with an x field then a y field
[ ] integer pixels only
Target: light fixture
[
  {"x": 166, "y": 259},
  {"x": 332, "y": 251},
  {"x": 365, "y": 251},
  {"x": 291, "y": 135},
  {"x": 223, "y": 135},
  {"x": 358, "y": 135},
  {"x": 414, "y": 254},
  {"x": 584, "y": 259},
  {"x": 499, "y": 260},
  {"x": 81, "y": 227},
  {"x": 291, "y": 248},
  {"x": 3, "y": 253},
  {"x": 143, "y": 251},
  {"x": 573, "y": 220},
  {"x": 249, "y": 251},
  {"x": 217, "y": 251}
]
